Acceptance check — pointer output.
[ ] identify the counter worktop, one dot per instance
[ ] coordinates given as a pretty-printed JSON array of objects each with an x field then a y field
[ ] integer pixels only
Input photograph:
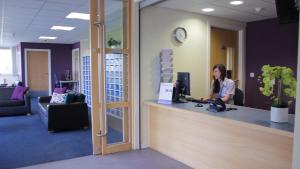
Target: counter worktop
[{"x": 243, "y": 114}]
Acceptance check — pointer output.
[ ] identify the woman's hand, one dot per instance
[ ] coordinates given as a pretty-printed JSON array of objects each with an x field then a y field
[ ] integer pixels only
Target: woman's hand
[
  {"x": 174, "y": 84},
  {"x": 203, "y": 99}
]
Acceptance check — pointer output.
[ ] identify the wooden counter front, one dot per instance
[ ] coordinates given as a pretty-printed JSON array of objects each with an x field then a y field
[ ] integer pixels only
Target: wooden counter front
[{"x": 204, "y": 141}]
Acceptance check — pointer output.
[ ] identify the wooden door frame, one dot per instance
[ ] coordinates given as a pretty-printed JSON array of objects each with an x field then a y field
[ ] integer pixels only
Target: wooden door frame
[
  {"x": 79, "y": 71},
  {"x": 241, "y": 30},
  {"x": 49, "y": 66},
  {"x": 95, "y": 62},
  {"x": 97, "y": 74}
]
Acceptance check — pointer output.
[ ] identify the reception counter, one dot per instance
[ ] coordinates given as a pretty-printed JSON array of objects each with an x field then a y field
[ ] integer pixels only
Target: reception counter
[{"x": 236, "y": 139}]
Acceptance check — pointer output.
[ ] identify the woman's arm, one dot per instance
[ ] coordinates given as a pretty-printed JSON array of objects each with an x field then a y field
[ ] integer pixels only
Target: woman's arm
[
  {"x": 210, "y": 96},
  {"x": 229, "y": 91},
  {"x": 226, "y": 98}
]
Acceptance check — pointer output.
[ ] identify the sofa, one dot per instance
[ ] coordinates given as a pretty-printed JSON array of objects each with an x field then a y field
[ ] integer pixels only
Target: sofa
[
  {"x": 13, "y": 107},
  {"x": 58, "y": 117}
]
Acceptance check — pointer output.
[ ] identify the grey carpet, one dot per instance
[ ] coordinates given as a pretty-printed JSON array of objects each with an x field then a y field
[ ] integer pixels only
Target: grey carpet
[{"x": 140, "y": 159}]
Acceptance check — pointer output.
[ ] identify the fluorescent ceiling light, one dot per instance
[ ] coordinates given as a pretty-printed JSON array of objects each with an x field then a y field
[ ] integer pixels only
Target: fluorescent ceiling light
[
  {"x": 64, "y": 28},
  {"x": 208, "y": 9},
  {"x": 47, "y": 37},
  {"x": 236, "y": 2},
  {"x": 76, "y": 15}
]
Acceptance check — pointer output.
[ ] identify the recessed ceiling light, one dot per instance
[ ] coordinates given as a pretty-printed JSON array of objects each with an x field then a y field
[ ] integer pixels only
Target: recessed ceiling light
[
  {"x": 64, "y": 28},
  {"x": 47, "y": 37},
  {"x": 208, "y": 9},
  {"x": 236, "y": 2},
  {"x": 76, "y": 15}
]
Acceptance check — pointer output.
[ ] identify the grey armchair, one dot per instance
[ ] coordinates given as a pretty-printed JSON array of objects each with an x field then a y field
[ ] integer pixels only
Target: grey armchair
[
  {"x": 13, "y": 107},
  {"x": 58, "y": 117}
]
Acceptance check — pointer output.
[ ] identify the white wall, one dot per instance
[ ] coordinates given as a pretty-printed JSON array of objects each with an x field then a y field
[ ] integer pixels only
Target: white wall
[
  {"x": 296, "y": 155},
  {"x": 14, "y": 60},
  {"x": 157, "y": 26},
  {"x": 135, "y": 76},
  {"x": 85, "y": 49},
  {"x": 16, "y": 69}
]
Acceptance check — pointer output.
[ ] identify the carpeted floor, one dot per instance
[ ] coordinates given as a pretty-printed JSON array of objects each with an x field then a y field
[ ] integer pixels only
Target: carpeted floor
[
  {"x": 24, "y": 141},
  {"x": 140, "y": 159}
]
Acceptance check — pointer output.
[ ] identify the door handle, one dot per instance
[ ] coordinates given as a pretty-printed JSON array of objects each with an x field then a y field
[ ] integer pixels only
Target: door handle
[{"x": 99, "y": 134}]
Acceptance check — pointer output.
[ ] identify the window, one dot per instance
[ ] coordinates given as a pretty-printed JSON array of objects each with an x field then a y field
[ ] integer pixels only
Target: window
[{"x": 6, "y": 61}]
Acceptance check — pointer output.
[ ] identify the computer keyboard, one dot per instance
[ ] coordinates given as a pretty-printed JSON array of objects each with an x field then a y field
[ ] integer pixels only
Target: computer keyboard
[{"x": 199, "y": 101}]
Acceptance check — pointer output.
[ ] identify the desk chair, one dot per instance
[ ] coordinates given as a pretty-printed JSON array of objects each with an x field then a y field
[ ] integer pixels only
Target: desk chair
[{"x": 238, "y": 98}]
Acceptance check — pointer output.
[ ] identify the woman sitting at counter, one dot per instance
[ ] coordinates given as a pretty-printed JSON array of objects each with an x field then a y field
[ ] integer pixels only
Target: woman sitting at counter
[{"x": 221, "y": 87}]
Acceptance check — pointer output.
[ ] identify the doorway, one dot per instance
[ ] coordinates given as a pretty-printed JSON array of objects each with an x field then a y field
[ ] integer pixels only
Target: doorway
[
  {"x": 224, "y": 50},
  {"x": 38, "y": 71}
]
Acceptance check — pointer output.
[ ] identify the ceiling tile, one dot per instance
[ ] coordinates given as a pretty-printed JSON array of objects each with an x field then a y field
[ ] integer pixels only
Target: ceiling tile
[
  {"x": 244, "y": 13},
  {"x": 13, "y": 10},
  {"x": 71, "y": 2},
  {"x": 35, "y": 4},
  {"x": 58, "y": 6},
  {"x": 53, "y": 13}
]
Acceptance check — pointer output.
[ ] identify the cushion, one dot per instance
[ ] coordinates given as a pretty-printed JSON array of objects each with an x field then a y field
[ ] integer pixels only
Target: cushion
[
  {"x": 70, "y": 98},
  {"x": 79, "y": 97},
  {"x": 11, "y": 103},
  {"x": 60, "y": 90},
  {"x": 18, "y": 93},
  {"x": 58, "y": 98}
]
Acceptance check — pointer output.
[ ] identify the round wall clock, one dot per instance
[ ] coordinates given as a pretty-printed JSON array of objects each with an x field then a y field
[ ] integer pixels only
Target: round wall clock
[{"x": 180, "y": 34}]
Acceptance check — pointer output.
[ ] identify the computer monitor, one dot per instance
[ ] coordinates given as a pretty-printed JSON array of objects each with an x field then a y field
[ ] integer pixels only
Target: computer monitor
[
  {"x": 183, "y": 78},
  {"x": 182, "y": 87}
]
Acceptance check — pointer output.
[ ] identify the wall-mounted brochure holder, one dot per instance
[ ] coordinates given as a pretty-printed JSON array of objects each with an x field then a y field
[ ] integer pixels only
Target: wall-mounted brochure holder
[{"x": 166, "y": 62}]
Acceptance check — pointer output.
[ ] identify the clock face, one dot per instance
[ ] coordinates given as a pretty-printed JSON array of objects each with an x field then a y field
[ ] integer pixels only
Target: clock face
[{"x": 180, "y": 34}]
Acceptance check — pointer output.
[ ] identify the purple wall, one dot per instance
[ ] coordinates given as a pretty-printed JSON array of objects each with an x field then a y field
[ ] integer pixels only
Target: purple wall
[
  {"x": 61, "y": 58},
  {"x": 76, "y": 45},
  {"x": 268, "y": 42}
]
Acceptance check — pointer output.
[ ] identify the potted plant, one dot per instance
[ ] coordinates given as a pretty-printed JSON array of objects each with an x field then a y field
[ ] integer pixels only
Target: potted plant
[
  {"x": 112, "y": 43},
  {"x": 277, "y": 81}
]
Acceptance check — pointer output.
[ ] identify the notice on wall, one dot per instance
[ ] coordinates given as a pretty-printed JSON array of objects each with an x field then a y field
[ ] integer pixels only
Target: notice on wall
[{"x": 165, "y": 93}]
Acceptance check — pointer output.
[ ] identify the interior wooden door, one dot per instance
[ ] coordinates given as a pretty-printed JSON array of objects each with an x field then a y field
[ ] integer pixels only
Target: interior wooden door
[
  {"x": 38, "y": 70},
  {"x": 111, "y": 74},
  {"x": 221, "y": 41}
]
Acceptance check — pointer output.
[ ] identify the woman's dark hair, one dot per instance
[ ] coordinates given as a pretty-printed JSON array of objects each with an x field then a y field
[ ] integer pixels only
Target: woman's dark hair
[{"x": 216, "y": 84}]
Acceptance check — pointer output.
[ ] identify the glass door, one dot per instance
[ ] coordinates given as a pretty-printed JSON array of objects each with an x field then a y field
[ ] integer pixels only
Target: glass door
[{"x": 114, "y": 75}]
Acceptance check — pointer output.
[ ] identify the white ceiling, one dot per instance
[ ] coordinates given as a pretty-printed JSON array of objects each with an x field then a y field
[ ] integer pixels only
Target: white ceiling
[
  {"x": 245, "y": 12},
  {"x": 26, "y": 20}
]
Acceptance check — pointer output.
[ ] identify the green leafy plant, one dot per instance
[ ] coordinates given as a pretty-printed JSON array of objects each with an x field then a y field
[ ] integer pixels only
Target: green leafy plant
[
  {"x": 285, "y": 82},
  {"x": 112, "y": 42}
]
